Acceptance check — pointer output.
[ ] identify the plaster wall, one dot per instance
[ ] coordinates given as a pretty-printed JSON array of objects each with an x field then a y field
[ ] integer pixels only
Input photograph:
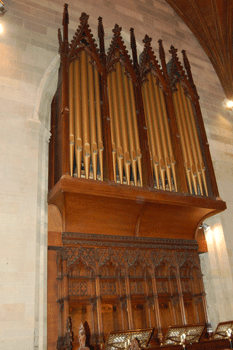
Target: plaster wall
[{"x": 28, "y": 75}]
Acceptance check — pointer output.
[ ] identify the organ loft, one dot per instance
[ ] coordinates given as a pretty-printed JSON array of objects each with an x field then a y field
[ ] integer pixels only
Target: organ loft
[{"x": 130, "y": 182}]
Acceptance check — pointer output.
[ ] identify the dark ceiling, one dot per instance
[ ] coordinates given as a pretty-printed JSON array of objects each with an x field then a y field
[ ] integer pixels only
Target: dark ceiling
[{"x": 211, "y": 23}]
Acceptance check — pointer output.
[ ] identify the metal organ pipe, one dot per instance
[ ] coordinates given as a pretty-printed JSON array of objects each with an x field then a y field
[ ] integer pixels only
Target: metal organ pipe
[
  {"x": 71, "y": 116},
  {"x": 124, "y": 129},
  {"x": 183, "y": 145},
  {"x": 85, "y": 118},
  {"x": 168, "y": 138},
  {"x": 125, "y": 138},
  {"x": 99, "y": 123},
  {"x": 85, "y": 127},
  {"x": 78, "y": 117},
  {"x": 85, "y": 115},
  {"x": 94, "y": 148},
  {"x": 159, "y": 135},
  {"x": 190, "y": 142},
  {"x": 133, "y": 152}
]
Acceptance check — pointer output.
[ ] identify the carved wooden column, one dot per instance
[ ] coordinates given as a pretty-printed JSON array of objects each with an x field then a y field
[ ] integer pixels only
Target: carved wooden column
[
  {"x": 203, "y": 296},
  {"x": 129, "y": 305},
  {"x": 157, "y": 313},
  {"x": 99, "y": 310},
  {"x": 147, "y": 175},
  {"x": 65, "y": 286},
  {"x": 176, "y": 143},
  {"x": 181, "y": 299},
  {"x": 172, "y": 303},
  {"x": 148, "y": 302},
  {"x": 59, "y": 300},
  {"x": 65, "y": 166},
  {"x": 108, "y": 160}
]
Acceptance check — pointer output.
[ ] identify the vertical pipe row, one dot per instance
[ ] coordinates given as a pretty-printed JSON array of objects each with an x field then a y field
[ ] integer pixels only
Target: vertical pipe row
[
  {"x": 168, "y": 137},
  {"x": 184, "y": 121},
  {"x": 85, "y": 129},
  {"x": 153, "y": 148},
  {"x": 159, "y": 135},
  {"x": 86, "y": 141},
  {"x": 71, "y": 116},
  {"x": 200, "y": 159},
  {"x": 190, "y": 143},
  {"x": 125, "y": 137},
  {"x": 78, "y": 117},
  {"x": 124, "y": 129},
  {"x": 183, "y": 145}
]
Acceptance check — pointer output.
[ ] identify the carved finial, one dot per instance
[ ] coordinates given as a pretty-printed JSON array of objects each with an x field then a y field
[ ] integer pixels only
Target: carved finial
[
  {"x": 188, "y": 70},
  {"x": 101, "y": 39},
  {"x": 100, "y": 27},
  {"x": 117, "y": 30},
  {"x": 132, "y": 39},
  {"x": 83, "y": 18},
  {"x": 59, "y": 40},
  {"x": 162, "y": 59},
  {"x": 147, "y": 40},
  {"x": 161, "y": 50},
  {"x": 133, "y": 47},
  {"x": 186, "y": 61},
  {"x": 173, "y": 51},
  {"x": 65, "y": 15}
]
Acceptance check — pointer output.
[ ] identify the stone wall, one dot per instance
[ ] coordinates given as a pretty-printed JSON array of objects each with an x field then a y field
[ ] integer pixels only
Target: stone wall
[{"x": 28, "y": 75}]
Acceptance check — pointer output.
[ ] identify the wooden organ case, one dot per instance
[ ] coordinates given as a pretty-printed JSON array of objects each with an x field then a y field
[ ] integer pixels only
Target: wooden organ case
[{"x": 130, "y": 181}]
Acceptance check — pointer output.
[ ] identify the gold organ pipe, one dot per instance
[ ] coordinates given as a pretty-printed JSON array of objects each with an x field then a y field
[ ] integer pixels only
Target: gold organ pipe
[
  {"x": 155, "y": 160},
  {"x": 198, "y": 145},
  {"x": 192, "y": 139},
  {"x": 186, "y": 136},
  {"x": 71, "y": 116},
  {"x": 130, "y": 129},
  {"x": 124, "y": 130},
  {"x": 183, "y": 146},
  {"x": 165, "y": 118},
  {"x": 136, "y": 133},
  {"x": 94, "y": 149},
  {"x": 120, "y": 159},
  {"x": 160, "y": 124},
  {"x": 111, "y": 112},
  {"x": 99, "y": 123},
  {"x": 85, "y": 115},
  {"x": 78, "y": 116}
]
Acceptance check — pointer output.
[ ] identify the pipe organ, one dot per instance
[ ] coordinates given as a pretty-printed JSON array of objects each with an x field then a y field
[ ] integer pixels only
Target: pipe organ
[{"x": 130, "y": 181}]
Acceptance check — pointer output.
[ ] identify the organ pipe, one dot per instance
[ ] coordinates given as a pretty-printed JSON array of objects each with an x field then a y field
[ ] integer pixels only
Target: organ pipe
[
  {"x": 190, "y": 143},
  {"x": 159, "y": 135},
  {"x": 86, "y": 140},
  {"x": 78, "y": 117},
  {"x": 125, "y": 138},
  {"x": 71, "y": 116}
]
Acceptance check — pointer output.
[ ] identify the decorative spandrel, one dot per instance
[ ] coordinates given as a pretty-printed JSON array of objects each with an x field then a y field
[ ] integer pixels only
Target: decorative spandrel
[{"x": 123, "y": 339}]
